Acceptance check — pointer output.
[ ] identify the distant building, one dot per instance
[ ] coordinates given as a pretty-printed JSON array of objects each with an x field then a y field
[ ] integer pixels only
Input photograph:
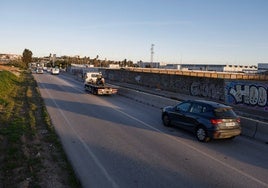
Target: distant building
[
  {"x": 203, "y": 67},
  {"x": 114, "y": 66},
  {"x": 262, "y": 67},
  {"x": 6, "y": 58},
  {"x": 171, "y": 66},
  {"x": 241, "y": 68},
  {"x": 213, "y": 67},
  {"x": 148, "y": 64}
]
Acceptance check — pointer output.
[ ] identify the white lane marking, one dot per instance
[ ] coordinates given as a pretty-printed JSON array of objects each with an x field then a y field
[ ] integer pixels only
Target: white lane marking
[
  {"x": 195, "y": 149},
  {"x": 91, "y": 153},
  {"x": 192, "y": 147}
]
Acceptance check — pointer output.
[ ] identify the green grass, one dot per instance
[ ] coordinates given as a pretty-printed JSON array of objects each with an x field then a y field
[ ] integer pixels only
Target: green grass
[
  {"x": 8, "y": 81},
  {"x": 22, "y": 114}
]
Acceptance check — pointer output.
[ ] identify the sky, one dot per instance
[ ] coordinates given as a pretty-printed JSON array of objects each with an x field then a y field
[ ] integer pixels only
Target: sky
[{"x": 182, "y": 31}]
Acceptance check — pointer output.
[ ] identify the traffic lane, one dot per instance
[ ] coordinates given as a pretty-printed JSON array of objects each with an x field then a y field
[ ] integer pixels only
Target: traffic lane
[
  {"x": 143, "y": 145},
  {"x": 85, "y": 163},
  {"x": 132, "y": 154},
  {"x": 132, "y": 105},
  {"x": 241, "y": 153}
]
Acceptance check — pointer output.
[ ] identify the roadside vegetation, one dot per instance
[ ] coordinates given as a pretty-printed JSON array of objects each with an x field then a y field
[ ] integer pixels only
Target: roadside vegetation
[{"x": 31, "y": 153}]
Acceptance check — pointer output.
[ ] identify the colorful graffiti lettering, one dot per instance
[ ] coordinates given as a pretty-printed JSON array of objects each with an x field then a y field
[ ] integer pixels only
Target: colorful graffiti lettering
[{"x": 249, "y": 94}]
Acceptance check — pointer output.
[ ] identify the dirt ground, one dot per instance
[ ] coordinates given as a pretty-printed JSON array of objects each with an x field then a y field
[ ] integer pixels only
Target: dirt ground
[{"x": 14, "y": 70}]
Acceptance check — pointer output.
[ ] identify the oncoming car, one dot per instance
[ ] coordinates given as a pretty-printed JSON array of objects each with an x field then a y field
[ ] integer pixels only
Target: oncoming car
[{"x": 206, "y": 119}]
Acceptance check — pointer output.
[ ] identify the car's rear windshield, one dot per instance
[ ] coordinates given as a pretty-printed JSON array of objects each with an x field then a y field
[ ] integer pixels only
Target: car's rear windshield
[{"x": 224, "y": 113}]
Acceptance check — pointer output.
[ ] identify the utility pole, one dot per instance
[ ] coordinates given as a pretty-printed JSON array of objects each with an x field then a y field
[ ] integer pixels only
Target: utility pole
[{"x": 152, "y": 53}]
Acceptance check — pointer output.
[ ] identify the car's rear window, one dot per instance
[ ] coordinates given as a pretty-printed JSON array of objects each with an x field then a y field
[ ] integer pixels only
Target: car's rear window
[{"x": 224, "y": 113}]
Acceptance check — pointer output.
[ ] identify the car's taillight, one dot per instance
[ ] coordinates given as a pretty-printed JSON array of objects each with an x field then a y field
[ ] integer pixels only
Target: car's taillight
[
  {"x": 238, "y": 120},
  {"x": 216, "y": 121}
]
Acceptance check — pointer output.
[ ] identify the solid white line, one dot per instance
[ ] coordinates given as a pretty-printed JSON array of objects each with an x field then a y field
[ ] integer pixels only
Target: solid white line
[
  {"x": 192, "y": 147},
  {"x": 195, "y": 149},
  {"x": 91, "y": 153}
]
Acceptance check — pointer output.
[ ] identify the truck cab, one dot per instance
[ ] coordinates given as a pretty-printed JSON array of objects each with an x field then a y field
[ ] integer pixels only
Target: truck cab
[{"x": 91, "y": 77}]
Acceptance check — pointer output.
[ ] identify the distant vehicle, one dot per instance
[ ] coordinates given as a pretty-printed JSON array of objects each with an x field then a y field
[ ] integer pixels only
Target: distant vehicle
[
  {"x": 206, "y": 119},
  {"x": 55, "y": 71},
  {"x": 39, "y": 70},
  {"x": 33, "y": 70},
  {"x": 95, "y": 83}
]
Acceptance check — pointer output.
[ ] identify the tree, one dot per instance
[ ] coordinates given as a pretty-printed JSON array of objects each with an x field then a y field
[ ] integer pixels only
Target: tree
[{"x": 27, "y": 56}]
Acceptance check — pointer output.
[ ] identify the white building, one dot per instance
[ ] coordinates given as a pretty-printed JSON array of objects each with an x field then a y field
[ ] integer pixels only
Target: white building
[
  {"x": 6, "y": 58},
  {"x": 171, "y": 66},
  {"x": 240, "y": 68},
  {"x": 148, "y": 64},
  {"x": 213, "y": 67},
  {"x": 114, "y": 66}
]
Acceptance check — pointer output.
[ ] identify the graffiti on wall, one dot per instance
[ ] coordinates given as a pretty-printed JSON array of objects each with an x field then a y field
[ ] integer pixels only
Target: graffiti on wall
[
  {"x": 241, "y": 93},
  {"x": 208, "y": 90}
]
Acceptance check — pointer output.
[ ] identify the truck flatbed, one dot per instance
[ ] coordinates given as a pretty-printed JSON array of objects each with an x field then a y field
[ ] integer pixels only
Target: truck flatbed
[{"x": 100, "y": 89}]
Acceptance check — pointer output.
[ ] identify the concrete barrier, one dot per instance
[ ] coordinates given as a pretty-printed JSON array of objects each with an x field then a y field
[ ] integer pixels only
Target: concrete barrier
[
  {"x": 145, "y": 98},
  {"x": 251, "y": 128},
  {"x": 262, "y": 132}
]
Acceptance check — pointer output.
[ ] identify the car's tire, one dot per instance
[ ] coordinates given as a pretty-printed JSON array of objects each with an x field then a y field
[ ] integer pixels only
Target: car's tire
[
  {"x": 166, "y": 120},
  {"x": 201, "y": 134}
]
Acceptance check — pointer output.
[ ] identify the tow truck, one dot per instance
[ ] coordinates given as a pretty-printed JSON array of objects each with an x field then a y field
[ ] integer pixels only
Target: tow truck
[{"x": 94, "y": 82}]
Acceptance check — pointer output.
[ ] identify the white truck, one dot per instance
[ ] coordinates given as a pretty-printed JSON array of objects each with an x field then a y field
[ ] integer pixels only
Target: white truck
[{"x": 95, "y": 84}]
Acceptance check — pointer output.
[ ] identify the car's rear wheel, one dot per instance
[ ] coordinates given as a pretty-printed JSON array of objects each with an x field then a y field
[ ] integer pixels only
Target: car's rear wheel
[
  {"x": 166, "y": 120},
  {"x": 201, "y": 134}
]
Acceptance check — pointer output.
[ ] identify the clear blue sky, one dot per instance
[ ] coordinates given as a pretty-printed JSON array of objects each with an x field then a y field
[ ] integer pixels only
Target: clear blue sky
[{"x": 183, "y": 31}]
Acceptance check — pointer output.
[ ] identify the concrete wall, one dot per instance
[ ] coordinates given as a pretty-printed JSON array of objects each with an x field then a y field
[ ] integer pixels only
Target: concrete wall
[
  {"x": 189, "y": 85},
  {"x": 250, "y": 127},
  {"x": 247, "y": 94},
  {"x": 250, "y": 94},
  {"x": 241, "y": 91}
]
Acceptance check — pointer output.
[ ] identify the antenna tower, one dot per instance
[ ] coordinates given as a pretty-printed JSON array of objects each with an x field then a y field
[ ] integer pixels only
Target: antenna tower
[{"x": 152, "y": 53}]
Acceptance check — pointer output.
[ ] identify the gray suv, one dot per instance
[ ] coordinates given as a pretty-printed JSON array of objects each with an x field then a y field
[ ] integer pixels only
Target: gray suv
[{"x": 206, "y": 119}]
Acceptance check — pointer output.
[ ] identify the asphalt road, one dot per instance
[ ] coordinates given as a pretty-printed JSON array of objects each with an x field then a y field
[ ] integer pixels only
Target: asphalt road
[{"x": 113, "y": 141}]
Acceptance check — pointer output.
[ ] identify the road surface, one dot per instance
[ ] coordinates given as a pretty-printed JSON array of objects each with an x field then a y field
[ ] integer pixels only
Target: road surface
[{"x": 113, "y": 141}]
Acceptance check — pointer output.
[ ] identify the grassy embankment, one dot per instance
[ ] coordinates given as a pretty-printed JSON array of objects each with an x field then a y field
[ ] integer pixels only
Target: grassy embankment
[{"x": 31, "y": 153}]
